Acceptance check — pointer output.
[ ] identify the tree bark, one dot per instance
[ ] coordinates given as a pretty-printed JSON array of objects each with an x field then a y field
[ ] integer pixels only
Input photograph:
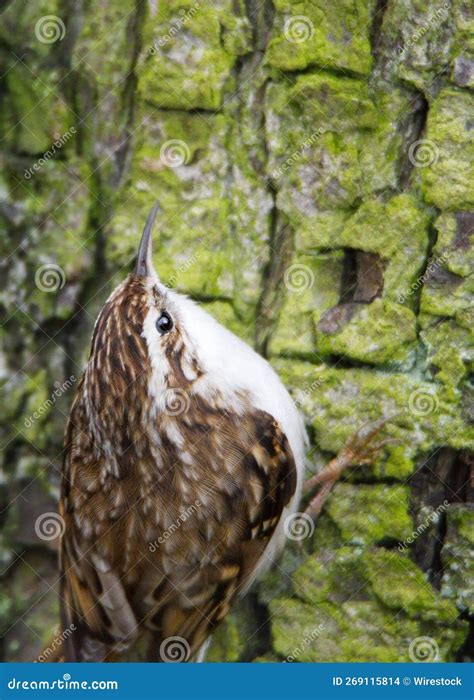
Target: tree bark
[{"x": 313, "y": 165}]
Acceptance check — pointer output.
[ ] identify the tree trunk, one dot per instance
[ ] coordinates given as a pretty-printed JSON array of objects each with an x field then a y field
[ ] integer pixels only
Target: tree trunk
[{"x": 312, "y": 162}]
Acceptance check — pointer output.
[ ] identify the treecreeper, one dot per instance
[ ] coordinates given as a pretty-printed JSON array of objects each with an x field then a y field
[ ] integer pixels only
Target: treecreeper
[{"x": 184, "y": 458}]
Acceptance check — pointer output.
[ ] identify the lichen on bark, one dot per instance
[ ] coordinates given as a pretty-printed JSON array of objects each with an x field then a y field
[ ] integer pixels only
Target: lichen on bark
[{"x": 313, "y": 163}]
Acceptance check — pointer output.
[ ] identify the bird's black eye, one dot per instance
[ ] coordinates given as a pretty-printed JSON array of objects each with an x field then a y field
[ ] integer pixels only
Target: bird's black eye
[{"x": 164, "y": 323}]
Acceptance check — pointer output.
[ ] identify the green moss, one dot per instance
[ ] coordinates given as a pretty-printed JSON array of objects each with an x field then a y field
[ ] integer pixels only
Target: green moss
[
  {"x": 110, "y": 65},
  {"x": 103, "y": 87},
  {"x": 187, "y": 64},
  {"x": 399, "y": 234},
  {"x": 30, "y": 589},
  {"x": 278, "y": 582},
  {"x": 317, "y": 128},
  {"x": 323, "y": 230},
  {"x": 22, "y": 18},
  {"x": 317, "y": 34},
  {"x": 456, "y": 556},
  {"x": 375, "y": 601},
  {"x": 304, "y": 632},
  {"x": 354, "y": 630},
  {"x": 447, "y": 182},
  {"x": 36, "y": 413},
  {"x": 383, "y": 147},
  {"x": 370, "y": 514},
  {"x": 424, "y": 414},
  {"x": 416, "y": 40},
  {"x": 450, "y": 365},
  {"x": 335, "y": 103},
  {"x": 35, "y": 116},
  {"x": 454, "y": 249},
  {"x": 208, "y": 240},
  {"x": 465, "y": 318},
  {"x": 226, "y": 644},
  {"x": 37, "y": 390},
  {"x": 312, "y": 287},
  {"x": 450, "y": 351},
  {"x": 266, "y": 659},
  {"x": 445, "y": 294},
  {"x": 193, "y": 249},
  {"x": 58, "y": 251},
  {"x": 373, "y": 634},
  {"x": 400, "y": 585},
  {"x": 463, "y": 17},
  {"x": 204, "y": 92},
  {"x": 250, "y": 200},
  {"x": 335, "y": 574},
  {"x": 397, "y": 465},
  {"x": 312, "y": 582},
  {"x": 377, "y": 333},
  {"x": 449, "y": 284}
]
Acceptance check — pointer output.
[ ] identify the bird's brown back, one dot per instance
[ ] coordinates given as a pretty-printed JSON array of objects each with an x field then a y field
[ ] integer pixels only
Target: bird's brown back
[{"x": 167, "y": 512}]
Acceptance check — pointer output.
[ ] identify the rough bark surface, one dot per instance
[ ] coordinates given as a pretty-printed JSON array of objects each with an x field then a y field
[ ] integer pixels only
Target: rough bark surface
[{"x": 312, "y": 160}]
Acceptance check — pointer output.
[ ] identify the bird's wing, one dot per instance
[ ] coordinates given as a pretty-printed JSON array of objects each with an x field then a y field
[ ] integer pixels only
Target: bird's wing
[
  {"x": 242, "y": 477},
  {"x": 94, "y": 604},
  {"x": 223, "y": 555}
]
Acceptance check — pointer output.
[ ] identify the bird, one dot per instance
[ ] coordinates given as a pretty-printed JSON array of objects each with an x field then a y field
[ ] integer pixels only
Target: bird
[{"x": 184, "y": 456}]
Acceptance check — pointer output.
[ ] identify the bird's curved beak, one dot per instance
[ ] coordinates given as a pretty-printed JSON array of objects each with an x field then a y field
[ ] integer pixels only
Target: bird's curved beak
[{"x": 144, "y": 266}]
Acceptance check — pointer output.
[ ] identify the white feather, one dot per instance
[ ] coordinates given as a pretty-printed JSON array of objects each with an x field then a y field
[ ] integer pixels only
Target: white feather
[{"x": 231, "y": 368}]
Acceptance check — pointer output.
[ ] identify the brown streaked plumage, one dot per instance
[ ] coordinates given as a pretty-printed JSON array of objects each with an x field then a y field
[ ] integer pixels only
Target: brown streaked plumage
[{"x": 183, "y": 455}]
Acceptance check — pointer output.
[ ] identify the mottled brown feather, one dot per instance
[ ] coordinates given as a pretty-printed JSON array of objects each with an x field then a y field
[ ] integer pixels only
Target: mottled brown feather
[{"x": 160, "y": 539}]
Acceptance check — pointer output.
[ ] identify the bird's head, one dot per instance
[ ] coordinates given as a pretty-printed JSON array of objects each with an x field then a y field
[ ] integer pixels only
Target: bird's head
[
  {"x": 160, "y": 365},
  {"x": 154, "y": 349},
  {"x": 142, "y": 343}
]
